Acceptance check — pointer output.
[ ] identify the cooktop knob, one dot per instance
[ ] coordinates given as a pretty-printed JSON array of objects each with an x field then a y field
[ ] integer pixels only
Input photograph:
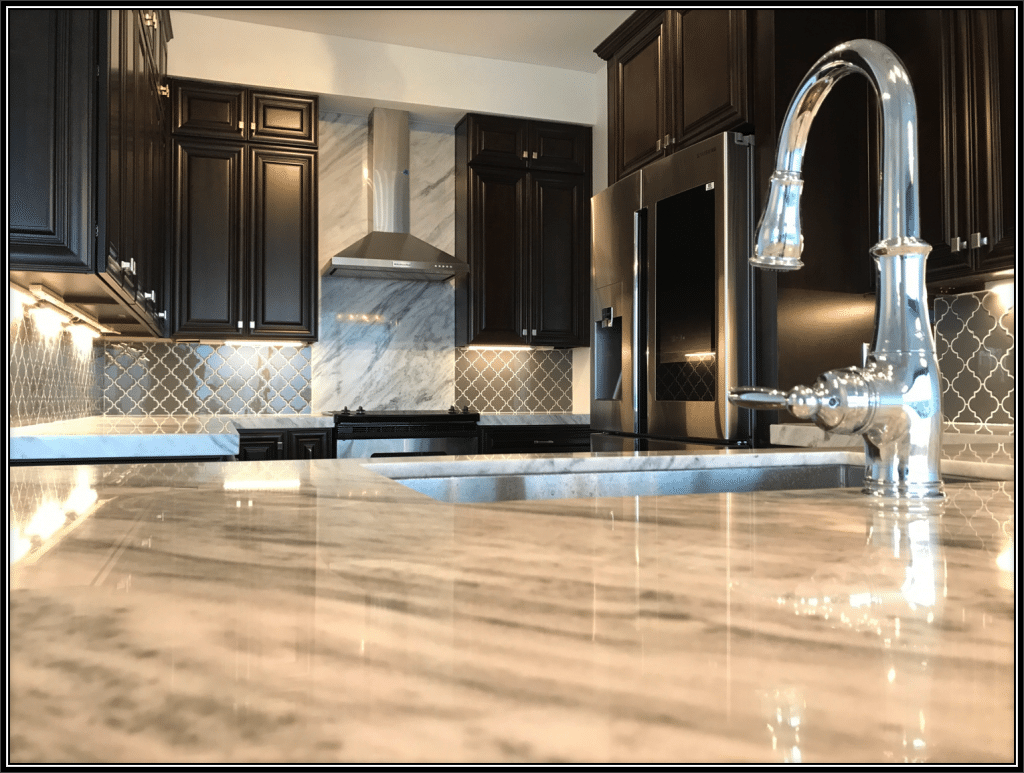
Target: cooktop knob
[
  {"x": 465, "y": 409},
  {"x": 452, "y": 409},
  {"x": 345, "y": 411},
  {"x": 360, "y": 411}
]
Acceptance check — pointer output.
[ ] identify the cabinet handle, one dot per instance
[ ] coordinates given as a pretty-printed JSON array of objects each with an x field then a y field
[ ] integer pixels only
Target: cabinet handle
[
  {"x": 544, "y": 442},
  {"x": 956, "y": 244},
  {"x": 977, "y": 240}
]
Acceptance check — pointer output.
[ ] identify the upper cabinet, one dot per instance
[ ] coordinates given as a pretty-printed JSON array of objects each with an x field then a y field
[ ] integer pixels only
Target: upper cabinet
[
  {"x": 522, "y": 214},
  {"x": 88, "y": 126},
  {"x": 962, "y": 64},
  {"x": 244, "y": 212},
  {"x": 674, "y": 77}
]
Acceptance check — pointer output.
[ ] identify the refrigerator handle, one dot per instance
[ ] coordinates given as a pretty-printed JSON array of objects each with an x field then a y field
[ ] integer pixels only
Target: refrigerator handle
[{"x": 639, "y": 321}]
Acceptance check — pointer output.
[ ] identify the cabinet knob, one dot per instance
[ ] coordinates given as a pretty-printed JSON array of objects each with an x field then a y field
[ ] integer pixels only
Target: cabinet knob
[
  {"x": 535, "y": 331},
  {"x": 535, "y": 154},
  {"x": 525, "y": 154},
  {"x": 956, "y": 244},
  {"x": 252, "y": 325},
  {"x": 149, "y": 296},
  {"x": 657, "y": 144},
  {"x": 239, "y": 324},
  {"x": 241, "y": 125},
  {"x": 977, "y": 240},
  {"x": 524, "y": 331}
]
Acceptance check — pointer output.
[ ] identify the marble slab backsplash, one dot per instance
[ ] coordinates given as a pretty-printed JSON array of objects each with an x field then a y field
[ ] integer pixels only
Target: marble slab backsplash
[{"x": 50, "y": 378}]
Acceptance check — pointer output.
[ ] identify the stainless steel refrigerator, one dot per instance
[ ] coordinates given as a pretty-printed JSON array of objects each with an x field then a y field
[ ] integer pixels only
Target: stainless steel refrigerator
[{"x": 672, "y": 301}]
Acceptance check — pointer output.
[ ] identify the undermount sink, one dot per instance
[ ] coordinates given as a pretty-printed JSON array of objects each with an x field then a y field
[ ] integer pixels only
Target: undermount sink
[
  {"x": 571, "y": 476},
  {"x": 571, "y": 485}
]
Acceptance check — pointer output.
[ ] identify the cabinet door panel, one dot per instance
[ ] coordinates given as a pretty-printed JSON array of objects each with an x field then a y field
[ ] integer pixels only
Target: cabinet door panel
[
  {"x": 283, "y": 243},
  {"x": 311, "y": 444},
  {"x": 283, "y": 118},
  {"x": 497, "y": 140},
  {"x": 52, "y": 216},
  {"x": 559, "y": 259},
  {"x": 209, "y": 230},
  {"x": 209, "y": 110},
  {"x": 497, "y": 250},
  {"x": 638, "y": 101},
  {"x": 713, "y": 54},
  {"x": 255, "y": 446},
  {"x": 559, "y": 148}
]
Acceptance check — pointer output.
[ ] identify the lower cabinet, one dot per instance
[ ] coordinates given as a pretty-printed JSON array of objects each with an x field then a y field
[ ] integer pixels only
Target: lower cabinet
[
  {"x": 535, "y": 439},
  {"x": 255, "y": 445}
]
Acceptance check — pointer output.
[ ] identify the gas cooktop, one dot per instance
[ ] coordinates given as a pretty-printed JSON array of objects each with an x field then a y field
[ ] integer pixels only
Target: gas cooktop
[{"x": 346, "y": 416}]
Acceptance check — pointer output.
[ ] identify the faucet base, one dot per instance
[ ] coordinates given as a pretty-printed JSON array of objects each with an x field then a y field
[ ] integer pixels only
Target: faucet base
[{"x": 888, "y": 490}]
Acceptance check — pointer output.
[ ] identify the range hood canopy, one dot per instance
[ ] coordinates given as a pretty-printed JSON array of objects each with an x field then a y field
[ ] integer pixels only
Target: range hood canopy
[{"x": 389, "y": 251}]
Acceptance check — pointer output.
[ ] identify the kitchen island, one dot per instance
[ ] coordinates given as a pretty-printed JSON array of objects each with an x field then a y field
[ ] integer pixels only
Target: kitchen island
[{"x": 318, "y": 611}]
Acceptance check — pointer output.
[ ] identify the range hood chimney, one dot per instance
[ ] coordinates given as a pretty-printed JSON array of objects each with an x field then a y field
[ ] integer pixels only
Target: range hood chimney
[{"x": 389, "y": 251}]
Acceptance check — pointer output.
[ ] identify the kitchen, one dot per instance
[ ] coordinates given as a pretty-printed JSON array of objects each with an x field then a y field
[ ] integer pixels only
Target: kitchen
[{"x": 377, "y": 617}]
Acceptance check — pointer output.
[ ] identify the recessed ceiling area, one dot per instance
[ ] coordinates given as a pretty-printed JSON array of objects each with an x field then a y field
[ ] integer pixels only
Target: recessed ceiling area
[{"x": 554, "y": 38}]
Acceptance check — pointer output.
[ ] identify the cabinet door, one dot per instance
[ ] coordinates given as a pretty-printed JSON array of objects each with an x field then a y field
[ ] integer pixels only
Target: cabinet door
[
  {"x": 209, "y": 237},
  {"x": 283, "y": 254},
  {"x": 639, "y": 85},
  {"x": 260, "y": 446},
  {"x": 713, "y": 94},
  {"x": 209, "y": 110},
  {"x": 311, "y": 444},
  {"x": 497, "y": 140},
  {"x": 283, "y": 118},
  {"x": 497, "y": 250},
  {"x": 559, "y": 147},
  {"x": 559, "y": 259},
  {"x": 51, "y": 120},
  {"x": 992, "y": 63}
]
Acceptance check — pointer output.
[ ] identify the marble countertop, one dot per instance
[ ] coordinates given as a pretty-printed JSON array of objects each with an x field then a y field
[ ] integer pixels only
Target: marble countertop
[
  {"x": 126, "y": 437},
  {"x": 316, "y": 611}
]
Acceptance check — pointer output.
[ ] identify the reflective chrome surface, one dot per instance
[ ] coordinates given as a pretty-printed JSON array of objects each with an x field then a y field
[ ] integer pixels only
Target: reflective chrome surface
[{"x": 894, "y": 400}]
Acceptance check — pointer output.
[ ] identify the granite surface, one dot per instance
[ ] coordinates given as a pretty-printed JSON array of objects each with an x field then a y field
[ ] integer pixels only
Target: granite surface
[{"x": 317, "y": 611}]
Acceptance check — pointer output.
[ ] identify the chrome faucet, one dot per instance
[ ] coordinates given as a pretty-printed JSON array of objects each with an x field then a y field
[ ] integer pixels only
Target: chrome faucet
[{"x": 894, "y": 399}]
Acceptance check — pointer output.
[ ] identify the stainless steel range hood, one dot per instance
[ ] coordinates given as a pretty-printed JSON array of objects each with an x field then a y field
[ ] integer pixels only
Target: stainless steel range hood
[{"x": 389, "y": 251}]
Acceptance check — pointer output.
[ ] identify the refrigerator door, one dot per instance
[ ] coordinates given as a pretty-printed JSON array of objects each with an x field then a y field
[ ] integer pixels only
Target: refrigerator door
[
  {"x": 617, "y": 233},
  {"x": 698, "y": 290}
]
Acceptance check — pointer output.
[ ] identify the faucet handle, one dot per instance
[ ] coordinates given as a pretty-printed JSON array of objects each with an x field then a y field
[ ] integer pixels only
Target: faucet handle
[{"x": 758, "y": 398}]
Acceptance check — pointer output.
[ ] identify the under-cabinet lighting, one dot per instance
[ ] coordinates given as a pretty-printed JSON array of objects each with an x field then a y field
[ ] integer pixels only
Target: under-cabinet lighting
[
  {"x": 485, "y": 348},
  {"x": 697, "y": 355},
  {"x": 19, "y": 301},
  {"x": 48, "y": 321},
  {"x": 1003, "y": 291},
  {"x": 251, "y": 342}
]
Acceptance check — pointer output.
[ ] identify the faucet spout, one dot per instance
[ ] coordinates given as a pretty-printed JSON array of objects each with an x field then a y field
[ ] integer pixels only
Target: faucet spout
[{"x": 894, "y": 399}]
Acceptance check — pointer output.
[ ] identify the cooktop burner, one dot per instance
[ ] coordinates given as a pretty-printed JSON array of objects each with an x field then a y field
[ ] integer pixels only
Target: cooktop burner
[{"x": 346, "y": 415}]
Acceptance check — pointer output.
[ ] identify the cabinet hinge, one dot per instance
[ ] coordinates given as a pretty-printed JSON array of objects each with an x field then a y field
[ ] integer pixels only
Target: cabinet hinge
[
  {"x": 97, "y": 231},
  {"x": 744, "y": 139}
]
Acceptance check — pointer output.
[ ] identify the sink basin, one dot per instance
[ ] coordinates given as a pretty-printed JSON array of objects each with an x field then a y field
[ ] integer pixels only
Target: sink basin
[
  {"x": 570, "y": 485},
  {"x": 570, "y": 476}
]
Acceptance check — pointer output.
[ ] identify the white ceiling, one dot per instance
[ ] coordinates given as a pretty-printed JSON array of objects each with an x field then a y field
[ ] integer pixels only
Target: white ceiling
[{"x": 556, "y": 38}]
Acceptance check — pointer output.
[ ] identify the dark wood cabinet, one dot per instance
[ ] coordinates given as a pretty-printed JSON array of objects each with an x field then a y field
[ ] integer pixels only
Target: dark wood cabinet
[
  {"x": 244, "y": 220},
  {"x": 961, "y": 63},
  {"x": 87, "y": 124},
  {"x": 267, "y": 445},
  {"x": 534, "y": 439},
  {"x": 523, "y": 225},
  {"x": 674, "y": 78},
  {"x": 233, "y": 112}
]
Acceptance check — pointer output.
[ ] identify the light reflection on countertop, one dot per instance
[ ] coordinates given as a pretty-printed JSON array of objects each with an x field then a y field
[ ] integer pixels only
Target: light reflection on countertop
[{"x": 347, "y": 618}]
